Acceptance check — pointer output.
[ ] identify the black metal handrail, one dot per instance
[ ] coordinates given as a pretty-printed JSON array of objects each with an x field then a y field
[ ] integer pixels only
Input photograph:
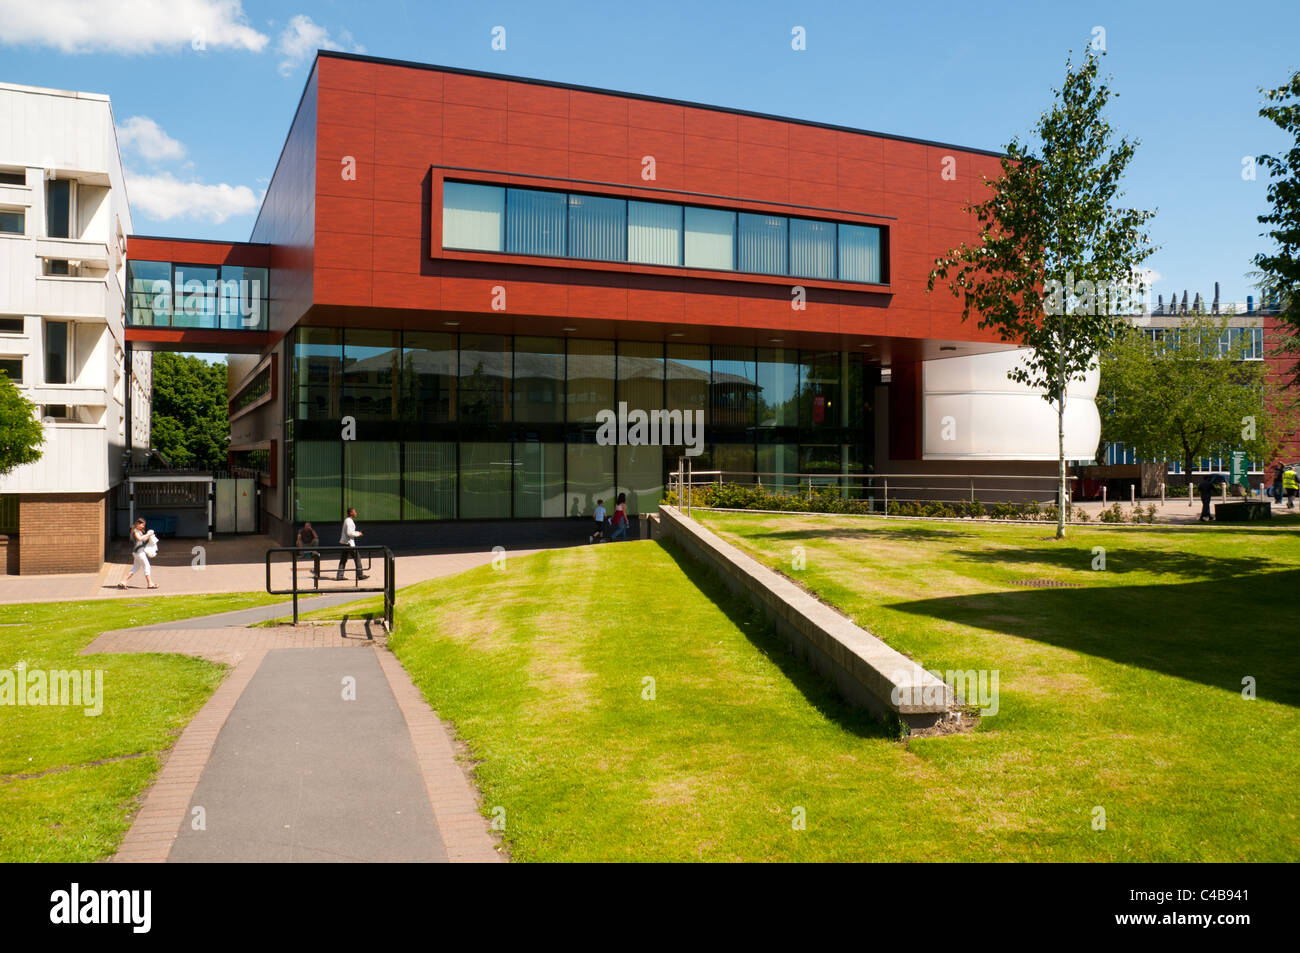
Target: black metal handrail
[{"x": 389, "y": 588}]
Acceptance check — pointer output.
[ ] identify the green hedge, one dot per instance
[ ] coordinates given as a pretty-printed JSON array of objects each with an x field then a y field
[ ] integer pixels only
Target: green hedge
[{"x": 828, "y": 499}]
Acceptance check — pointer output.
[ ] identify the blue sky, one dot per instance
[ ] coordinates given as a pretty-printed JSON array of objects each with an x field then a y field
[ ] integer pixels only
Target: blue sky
[{"x": 202, "y": 128}]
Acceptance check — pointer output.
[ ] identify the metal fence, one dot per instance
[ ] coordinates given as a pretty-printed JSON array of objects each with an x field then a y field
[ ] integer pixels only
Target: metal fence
[
  {"x": 877, "y": 490},
  {"x": 356, "y": 559}
]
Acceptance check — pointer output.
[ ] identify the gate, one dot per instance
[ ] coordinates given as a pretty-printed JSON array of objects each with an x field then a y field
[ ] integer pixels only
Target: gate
[{"x": 235, "y": 508}]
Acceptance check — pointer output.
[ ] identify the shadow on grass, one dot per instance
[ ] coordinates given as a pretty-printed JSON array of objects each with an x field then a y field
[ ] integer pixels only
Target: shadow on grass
[
  {"x": 819, "y": 692},
  {"x": 1123, "y": 560},
  {"x": 1205, "y": 632}
]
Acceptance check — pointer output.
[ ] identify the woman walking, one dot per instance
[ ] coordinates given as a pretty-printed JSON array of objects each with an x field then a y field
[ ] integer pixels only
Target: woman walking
[
  {"x": 620, "y": 519},
  {"x": 143, "y": 544}
]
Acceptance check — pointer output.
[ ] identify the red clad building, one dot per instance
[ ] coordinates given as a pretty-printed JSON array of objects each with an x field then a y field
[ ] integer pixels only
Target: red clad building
[{"x": 457, "y": 277}]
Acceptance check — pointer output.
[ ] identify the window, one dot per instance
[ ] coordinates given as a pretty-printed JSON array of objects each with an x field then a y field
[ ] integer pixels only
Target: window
[
  {"x": 58, "y": 345},
  {"x": 597, "y": 228},
  {"x": 812, "y": 248},
  {"x": 535, "y": 222},
  {"x": 56, "y": 411},
  {"x": 859, "y": 253},
  {"x": 242, "y": 295},
  {"x": 484, "y": 374},
  {"x": 57, "y": 266},
  {"x": 473, "y": 217},
  {"x": 11, "y": 325},
  {"x": 710, "y": 238},
  {"x": 538, "y": 380},
  {"x": 763, "y": 244},
  {"x": 13, "y": 221},
  {"x": 149, "y": 284},
  {"x": 12, "y": 367},
  {"x": 195, "y": 289},
  {"x": 13, "y": 176},
  {"x": 654, "y": 233},
  {"x": 603, "y": 228},
  {"x": 58, "y": 208},
  {"x": 370, "y": 364}
]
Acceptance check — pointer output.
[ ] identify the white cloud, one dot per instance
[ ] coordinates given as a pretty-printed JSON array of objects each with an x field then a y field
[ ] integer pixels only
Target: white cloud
[
  {"x": 303, "y": 37},
  {"x": 145, "y": 137},
  {"x": 128, "y": 26},
  {"x": 164, "y": 197}
]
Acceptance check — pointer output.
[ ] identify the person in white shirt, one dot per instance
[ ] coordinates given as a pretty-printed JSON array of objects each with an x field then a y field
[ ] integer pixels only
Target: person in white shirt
[
  {"x": 144, "y": 543},
  {"x": 349, "y": 538},
  {"x": 599, "y": 517}
]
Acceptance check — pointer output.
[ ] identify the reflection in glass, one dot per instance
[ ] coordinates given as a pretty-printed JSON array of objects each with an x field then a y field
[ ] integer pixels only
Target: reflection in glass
[
  {"x": 590, "y": 384},
  {"x": 429, "y": 481},
  {"x": 428, "y": 376},
  {"x": 485, "y": 480},
  {"x": 317, "y": 373},
  {"x": 735, "y": 385},
  {"x": 539, "y": 479},
  {"x": 372, "y": 482},
  {"x": 484, "y": 377},
  {"x": 370, "y": 363},
  {"x": 538, "y": 381}
]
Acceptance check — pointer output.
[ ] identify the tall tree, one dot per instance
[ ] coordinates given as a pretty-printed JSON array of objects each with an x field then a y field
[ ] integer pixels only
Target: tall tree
[
  {"x": 1188, "y": 395},
  {"x": 191, "y": 412},
  {"x": 21, "y": 434},
  {"x": 1281, "y": 267},
  {"x": 1054, "y": 246}
]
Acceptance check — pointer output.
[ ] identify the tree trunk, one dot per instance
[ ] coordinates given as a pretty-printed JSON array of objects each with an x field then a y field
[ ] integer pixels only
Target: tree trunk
[{"x": 1060, "y": 451}]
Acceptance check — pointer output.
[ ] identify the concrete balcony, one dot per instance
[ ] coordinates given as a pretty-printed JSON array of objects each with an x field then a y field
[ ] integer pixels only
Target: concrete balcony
[
  {"x": 74, "y": 249},
  {"x": 73, "y": 395},
  {"x": 59, "y": 296}
]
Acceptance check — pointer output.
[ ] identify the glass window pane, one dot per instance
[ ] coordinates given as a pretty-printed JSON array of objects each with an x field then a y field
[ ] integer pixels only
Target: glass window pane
[
  {"x": 318, "y": 368},
  {"x": 58, "y": 204},
  {"x": 641, "y": 477},
  {"x": 370, "y": 361},
  {"x": 428, "y": 376},
  {"x": 763, "y": 248},
  {"x": 737, "y": 459},
  {"x": 484, "y": 378},
  {"x": 13, "y": 221},
  {"x": 535, "y": 222},
  {"x": 56, "y": 352},
  {"x": 687, "y": 371},
  {"x": 195, "y": 290},
  {"x": 812, "y": 248},
  {"x": 150, "y": 286},
  {"x": 372, "y": 484},
  {"x": 778, "y": 387},
  {"x": 591, "y": 478},
  {"x": 317, "y": 483},
  {"x": 538, "y": 381},
  {"x": 710, "y": 238},
  {"x": 654, "y": 233},
  {"x": 485, "y": 480},
  {"x": 590, "y": 384},
  {"x": 539, "y": 479},
  {"x": 243, "y": 295},
  {"x": 820, "y": 403},
  {"x": 641, "y": 375},
  {"x": 735, "y": 383},
  {"x": 429, "y": 481},
  {"x": 597, "y": 228},
  {"x": 473, "y": 216},
  {"x": 778, "y": 465},
  {"x": 859, "y": 253}
]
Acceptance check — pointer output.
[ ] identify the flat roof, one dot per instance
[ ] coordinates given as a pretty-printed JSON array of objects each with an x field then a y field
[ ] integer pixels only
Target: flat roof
[{"x": 365, "y": 58}]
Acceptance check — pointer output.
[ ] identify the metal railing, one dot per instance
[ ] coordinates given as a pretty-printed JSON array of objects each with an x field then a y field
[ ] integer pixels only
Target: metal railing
[
  {"x": 351, "y": 559},
  {"x": 877, "y": 490}
]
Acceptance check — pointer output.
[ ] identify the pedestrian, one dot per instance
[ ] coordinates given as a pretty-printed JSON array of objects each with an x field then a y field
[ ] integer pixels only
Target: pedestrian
[
  {"x": 349, "y": 537},
  {"x": 307, "y": 538},
  {"x": 620, "y": 519},
  {"x": 599, "y": 516},
  {"x": 1206, "y": 488},
  {"x": 144, "y": 543},
  {"x": 1277, "y": 485},
  {"x": 1290, "y": 485}
]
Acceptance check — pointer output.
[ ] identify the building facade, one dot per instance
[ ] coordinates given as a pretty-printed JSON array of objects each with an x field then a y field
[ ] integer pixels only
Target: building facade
[
  {"x": 468, "y": 276},
  {"x": 64, "y": 222}
]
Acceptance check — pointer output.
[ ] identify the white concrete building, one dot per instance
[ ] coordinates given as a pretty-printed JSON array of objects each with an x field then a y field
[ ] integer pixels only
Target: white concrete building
[{"x": 64, "y": 219}]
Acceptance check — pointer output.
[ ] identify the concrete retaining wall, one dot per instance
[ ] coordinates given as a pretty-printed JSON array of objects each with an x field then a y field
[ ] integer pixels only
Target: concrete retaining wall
[{"x": 866, "y": 671}]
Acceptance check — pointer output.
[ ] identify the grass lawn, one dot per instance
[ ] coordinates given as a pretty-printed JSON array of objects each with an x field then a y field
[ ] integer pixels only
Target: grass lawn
[
  {"x": 68, "y": 781},
  {"x": 1124, "y": 694}
]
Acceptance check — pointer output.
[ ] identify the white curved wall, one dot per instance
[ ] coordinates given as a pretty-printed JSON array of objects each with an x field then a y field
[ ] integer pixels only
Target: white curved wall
[{"x": 972, "y": 411}]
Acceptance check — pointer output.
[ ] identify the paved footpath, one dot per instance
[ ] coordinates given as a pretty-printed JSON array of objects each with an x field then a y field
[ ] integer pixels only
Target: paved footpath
[{"x": 316, "y": 747}]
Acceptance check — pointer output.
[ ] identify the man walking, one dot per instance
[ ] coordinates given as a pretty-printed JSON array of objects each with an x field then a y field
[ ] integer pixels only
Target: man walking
[
  {"x": 1290, "y": 485},
  {"x": 349, "y": 537},
  {"x": 1206, "y": 488}
]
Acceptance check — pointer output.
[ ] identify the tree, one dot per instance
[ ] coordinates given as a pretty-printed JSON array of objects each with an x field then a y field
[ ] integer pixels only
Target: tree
[
  {"x": 1281, "y": 267},
  {"x": 1054, "y": 249},
  {"x": 1188, "y": 395},
  {"x": 21, "y": 434},
  {"x": 191, "y": 412}
]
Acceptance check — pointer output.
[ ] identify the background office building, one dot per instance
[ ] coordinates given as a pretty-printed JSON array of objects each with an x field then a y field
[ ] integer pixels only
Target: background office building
[
  {"x": 461, "y": 271},
  {"x": 63, "y": 226}
]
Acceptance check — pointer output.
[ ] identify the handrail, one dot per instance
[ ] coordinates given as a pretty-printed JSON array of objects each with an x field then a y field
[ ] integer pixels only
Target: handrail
[{"x": 389, "y": 588}]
